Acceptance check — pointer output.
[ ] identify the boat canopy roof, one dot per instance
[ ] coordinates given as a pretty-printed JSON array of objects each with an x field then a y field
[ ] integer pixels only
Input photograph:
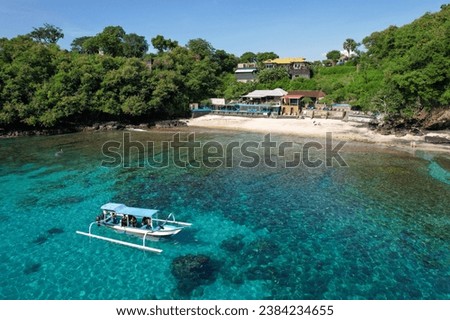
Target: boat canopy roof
[{"x": 121, "y": 208}]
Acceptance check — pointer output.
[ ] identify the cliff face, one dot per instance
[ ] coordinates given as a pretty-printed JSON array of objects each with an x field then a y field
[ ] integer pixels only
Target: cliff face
[{"x": 437, "y": 120}]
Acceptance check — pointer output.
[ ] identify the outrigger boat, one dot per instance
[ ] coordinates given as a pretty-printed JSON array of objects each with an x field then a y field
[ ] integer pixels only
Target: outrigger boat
[{"x": 139, "y": 222}]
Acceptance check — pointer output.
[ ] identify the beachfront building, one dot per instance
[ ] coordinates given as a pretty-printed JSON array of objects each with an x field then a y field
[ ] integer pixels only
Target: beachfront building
[
  {"x": 264, "y": 96},
  {"x": 294, "y": 101},
  {"x": 296, "y": 67},
  {"x": 217, "y": 103},
  {"x": 246, "y": 72}
]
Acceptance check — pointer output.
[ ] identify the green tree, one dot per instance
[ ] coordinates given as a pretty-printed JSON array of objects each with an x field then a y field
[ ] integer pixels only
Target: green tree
[
  {"x": 248, "y": 57},
  {"x": 334, "y": 56},
  {"x": 201, "y": 48},
  {"x": 25, "y": 66},
  {"x": 77, "y": 44},
  {"x": 168, "y": 98},
  {"x": 271, "y": 75},
  {"x": 263, "y": 56},
  {"x": 134, "y": 45},
  {"x": 110, "y": 40},
  {"x": 381, "y": 45},
  {"x": 162, "y": 44},
  {"x": 227, "y": 62},
  {"x": 47, "y": 34},
  {"x": 91, "y": 45},
  {"x": 202, "y": 80},
  {"x": 125, "y": 81},
  {"x": 114, "y": 41}
]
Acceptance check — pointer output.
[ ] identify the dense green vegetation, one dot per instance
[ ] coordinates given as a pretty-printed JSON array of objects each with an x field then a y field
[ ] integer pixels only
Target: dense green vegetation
[
  {"x": 110, "y": 76},
  {"x": 104, "y": 77},
  {"x": 415, "y": 60},
  {"x": 404, "y": 69}
]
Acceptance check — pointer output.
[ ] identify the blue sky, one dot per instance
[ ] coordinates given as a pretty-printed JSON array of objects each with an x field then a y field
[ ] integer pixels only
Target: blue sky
[{"x": 290, "y": 28}]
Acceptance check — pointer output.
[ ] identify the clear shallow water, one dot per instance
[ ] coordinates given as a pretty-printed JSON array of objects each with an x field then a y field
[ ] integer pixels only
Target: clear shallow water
[{"x": 377, "y": 229}]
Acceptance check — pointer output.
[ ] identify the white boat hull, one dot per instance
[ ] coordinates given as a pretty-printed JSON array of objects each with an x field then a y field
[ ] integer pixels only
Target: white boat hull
[{"x": 166, "y": 231}]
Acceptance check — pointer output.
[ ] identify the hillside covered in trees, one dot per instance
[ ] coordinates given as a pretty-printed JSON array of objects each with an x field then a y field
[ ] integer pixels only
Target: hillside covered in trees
[
  {"x": 105, "y": 77},
  {"x": 404, "y": 70},
  {"x": 109, "y": 76}
]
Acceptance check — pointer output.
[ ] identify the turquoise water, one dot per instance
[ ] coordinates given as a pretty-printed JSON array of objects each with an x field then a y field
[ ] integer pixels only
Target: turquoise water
[{"x": 378, "y": 228}]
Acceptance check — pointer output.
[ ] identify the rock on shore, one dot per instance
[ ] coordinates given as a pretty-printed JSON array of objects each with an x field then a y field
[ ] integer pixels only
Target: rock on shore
[
  {"x": 438, "y": 119},
  {"x": 170, "y": 124},
  {"x": 437, "y": 140}
]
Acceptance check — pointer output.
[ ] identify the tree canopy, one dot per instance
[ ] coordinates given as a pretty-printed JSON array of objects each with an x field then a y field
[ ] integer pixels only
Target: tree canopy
[
  {"x": 105, "y": 77},
  {"x": 333, "y": 56},
  {"x": 114, "y": 41},
  {"x": 259, "y": 57},
  {"x": 415, "y": 60},
  {"x": 46, "y": 34},
  {"x": 162, "y": 44}
]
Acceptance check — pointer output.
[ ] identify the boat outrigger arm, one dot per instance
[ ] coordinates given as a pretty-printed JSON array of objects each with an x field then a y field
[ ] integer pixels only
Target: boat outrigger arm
[
  {"x": 124, "y": 243},
  {"x": 135, "y": 221}
]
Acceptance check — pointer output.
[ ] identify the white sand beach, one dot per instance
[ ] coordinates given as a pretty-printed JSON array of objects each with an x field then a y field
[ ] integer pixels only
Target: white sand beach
[{"x": 348, "y": 131}]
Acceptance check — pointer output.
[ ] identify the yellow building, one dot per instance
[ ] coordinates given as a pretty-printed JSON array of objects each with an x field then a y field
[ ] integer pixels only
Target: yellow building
[{"x": 296, "y": 67}]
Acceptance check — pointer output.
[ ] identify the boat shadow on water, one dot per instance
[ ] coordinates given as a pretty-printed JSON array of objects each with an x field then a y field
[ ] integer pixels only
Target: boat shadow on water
[{"x": 42, "y": 238}]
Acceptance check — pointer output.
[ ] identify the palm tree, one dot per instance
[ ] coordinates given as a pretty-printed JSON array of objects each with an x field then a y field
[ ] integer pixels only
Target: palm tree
[{"x": 350, "y": 45}]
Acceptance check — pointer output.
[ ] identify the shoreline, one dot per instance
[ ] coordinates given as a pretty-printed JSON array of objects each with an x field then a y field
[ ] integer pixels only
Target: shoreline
[
  {"x": 317, "y": 128},
  {"x": 96, "y": 127},
  {"x": 306, "y": 128}
]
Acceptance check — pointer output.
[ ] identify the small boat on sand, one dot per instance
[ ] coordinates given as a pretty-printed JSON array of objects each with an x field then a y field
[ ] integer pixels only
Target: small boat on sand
[{"x": 139, "y": 222}]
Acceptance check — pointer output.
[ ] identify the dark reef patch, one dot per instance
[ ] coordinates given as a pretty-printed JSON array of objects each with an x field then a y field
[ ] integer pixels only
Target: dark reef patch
[
  {"x": 233, "y": 244},
  {"x": 263, "y": 251},
  {"x": 192, "y": 271},
  {"x": 32, "y": 268}
]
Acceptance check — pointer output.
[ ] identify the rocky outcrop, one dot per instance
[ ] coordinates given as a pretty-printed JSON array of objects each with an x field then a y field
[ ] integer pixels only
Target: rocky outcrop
[
  {"x": 437, "y": 140},
  {"x": 437, "y": 120},
  {"x": 100, "y": 126},
  {"x": 397, "y": 126},
  {"x": 108, "y": 126},
  {"x": 35, "y": 132},
  {"x": 170, "y": 124}
]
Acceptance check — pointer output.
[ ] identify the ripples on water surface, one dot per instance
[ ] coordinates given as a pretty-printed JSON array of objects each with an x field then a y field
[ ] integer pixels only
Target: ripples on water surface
[{"x": 377, "y": 229}]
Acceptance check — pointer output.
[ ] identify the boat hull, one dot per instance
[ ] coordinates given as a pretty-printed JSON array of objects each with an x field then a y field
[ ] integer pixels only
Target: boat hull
[{"x": 167, "y": 231}]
